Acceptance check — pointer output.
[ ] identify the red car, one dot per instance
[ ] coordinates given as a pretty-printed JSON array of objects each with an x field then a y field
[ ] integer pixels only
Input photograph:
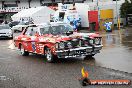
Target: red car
[{"x": 57, "y": 40}]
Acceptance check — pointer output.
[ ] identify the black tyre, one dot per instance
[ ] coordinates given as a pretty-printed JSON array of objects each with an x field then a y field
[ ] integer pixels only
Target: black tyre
[
  {"x": 11, "y": 37},
  {"x": 49, "y": 56},
  {"x": 89, "y": 56},
  {"x": 15, "y": 31},
  {"x": 23, "y": 52}
]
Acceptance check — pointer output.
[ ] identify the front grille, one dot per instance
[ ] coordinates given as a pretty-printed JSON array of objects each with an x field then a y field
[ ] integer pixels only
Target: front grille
[
  {"x": 2, "y": 33},
  {"x": 86, "y": 42},
  {"x": 83, "y": 42},
  {"x": 79, "y": 43},
  {"x": 72, "y": 43},
  {"x": 76, "y": 42}
]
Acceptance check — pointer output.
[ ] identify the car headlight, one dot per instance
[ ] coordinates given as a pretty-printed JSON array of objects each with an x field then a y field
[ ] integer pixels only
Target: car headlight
[
  {"x": 91, "y": 41},
  {"x": 56, "y": 45},
  {"x": 9, "y": 32},
  {"x": 61, "y": 45},
  {"x": 69, "y": 44},
  {"x": 97, "y": 41}
]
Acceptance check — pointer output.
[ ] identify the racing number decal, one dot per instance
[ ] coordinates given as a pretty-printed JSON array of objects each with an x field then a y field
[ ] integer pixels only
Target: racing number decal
[
  {"x": 33, "y": 46},
  {"x": 33, "y": 43}
]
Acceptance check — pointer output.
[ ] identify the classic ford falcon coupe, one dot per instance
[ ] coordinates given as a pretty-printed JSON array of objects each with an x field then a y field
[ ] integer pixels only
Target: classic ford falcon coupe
[{"x": 57, "y": 40}]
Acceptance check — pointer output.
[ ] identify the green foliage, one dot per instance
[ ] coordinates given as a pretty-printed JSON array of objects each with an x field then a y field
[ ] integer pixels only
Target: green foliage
[{"x": 126, "y": 8}]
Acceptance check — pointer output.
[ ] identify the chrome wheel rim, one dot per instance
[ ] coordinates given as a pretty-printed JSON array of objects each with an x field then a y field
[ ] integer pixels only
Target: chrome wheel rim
[
  {"x": 22, "y": 50},
  {"x": 48, "y": 55}
]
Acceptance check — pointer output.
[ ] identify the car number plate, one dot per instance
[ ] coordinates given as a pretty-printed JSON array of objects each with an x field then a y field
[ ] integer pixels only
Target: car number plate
[{"x": 81, "y": 51}]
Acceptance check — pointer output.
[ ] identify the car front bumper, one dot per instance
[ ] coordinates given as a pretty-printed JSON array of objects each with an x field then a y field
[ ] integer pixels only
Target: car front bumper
[
  {"x": 76, "y": 52},
  {"x": 96, "y": 49},
  {"x": 6, "y": 35}
]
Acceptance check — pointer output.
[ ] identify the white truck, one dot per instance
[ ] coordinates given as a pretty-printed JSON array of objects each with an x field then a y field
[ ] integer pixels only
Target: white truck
[
  {"x": 67, "y": 14},
  {"x": 76, "y": 15}
]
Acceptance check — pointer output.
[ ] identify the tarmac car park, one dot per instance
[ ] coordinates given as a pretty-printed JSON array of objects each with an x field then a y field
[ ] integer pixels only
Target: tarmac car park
[{"x": 57, "y": 40}]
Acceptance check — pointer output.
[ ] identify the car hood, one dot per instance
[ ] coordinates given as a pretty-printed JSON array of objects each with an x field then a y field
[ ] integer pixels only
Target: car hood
[
  {"x": 17, "y": 26},
  {"x": 59, "y": 38},
  {"x": 90, "y": 35},
  {"x": 76, "y": 35},
  {"x": 5, "y": 30}
]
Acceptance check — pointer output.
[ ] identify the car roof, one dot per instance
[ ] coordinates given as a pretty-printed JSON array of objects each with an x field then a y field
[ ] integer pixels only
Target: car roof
[
  {"x": 47, "y": 24},
  {"x": 20, "y": 26}
]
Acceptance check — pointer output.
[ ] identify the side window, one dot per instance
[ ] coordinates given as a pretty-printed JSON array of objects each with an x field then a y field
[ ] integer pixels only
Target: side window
[
  {"x": 36, "y": 32},
  {"x": 30, "y": 31}
]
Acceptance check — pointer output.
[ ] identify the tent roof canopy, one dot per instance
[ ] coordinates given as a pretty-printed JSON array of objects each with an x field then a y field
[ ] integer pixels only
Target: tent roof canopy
[
  {"x": 31, "y": 12},
  {"x": 28, "y": 12},
  {"x": 36, "y": 14}
]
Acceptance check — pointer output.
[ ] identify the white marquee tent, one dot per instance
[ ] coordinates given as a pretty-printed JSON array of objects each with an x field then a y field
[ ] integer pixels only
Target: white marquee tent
[{"x": 38, "y": 14}]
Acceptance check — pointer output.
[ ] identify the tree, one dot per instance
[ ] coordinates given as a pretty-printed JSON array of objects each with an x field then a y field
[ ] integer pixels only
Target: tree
[{"x": 126, "y": 8}]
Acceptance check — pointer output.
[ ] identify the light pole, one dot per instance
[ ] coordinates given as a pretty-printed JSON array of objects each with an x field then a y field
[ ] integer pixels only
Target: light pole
[
  {"x": 29, "y": 3},
  {"x": 98, "y": 9},
  {"x": 98, "y": 14},
  {"x": 117, "y": 14}
]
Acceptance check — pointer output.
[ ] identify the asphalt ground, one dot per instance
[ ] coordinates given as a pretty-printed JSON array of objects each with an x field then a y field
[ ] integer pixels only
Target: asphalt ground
[{"x": 34, "y": 71}]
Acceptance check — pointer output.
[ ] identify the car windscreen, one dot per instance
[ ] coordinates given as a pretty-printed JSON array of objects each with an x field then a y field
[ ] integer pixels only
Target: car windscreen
[
  {"x": 56, "y": 29},
  {"x": 44, "y": 30},
  {"x": 21, "y": 23},
  {"x": 4, "y": 27},
  {"x": 61, "y": 29}
]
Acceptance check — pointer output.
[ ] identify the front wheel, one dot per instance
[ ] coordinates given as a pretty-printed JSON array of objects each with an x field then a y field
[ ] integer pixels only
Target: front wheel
[
  {"x": 49, "y": 56},
  {"x": 11, "y": 36},
  {"x": 23, "y": 52},
  {"x": 89, "y": 56}
]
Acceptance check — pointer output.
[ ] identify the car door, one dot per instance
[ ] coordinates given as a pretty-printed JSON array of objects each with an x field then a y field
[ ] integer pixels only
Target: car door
[
  {"x": 34, "y": 40},
  {"x": 27, "y": 43}
]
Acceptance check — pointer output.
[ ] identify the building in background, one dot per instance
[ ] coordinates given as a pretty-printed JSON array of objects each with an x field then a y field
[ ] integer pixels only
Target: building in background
[
  {"x": 10, "y": 7},
  {"x": 106, "y": 5}
]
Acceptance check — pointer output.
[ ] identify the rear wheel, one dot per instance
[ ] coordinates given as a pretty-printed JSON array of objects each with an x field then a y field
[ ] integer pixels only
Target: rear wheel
[
  {"x": 49, "y": 56},
  {"x": 23, "y": 52}
]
